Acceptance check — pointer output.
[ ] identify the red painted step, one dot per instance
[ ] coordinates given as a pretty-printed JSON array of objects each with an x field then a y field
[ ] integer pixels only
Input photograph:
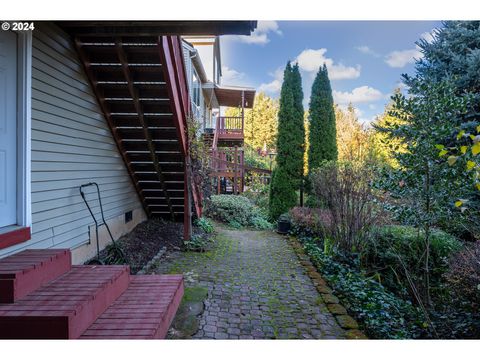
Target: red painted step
[
  {"x": 144, "y": 311},
  {"x": 22, "y": 273},
  {"x": 65, "y": 307}
]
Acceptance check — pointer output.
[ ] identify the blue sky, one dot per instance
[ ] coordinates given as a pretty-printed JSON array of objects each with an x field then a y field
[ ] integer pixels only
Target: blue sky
[{"x": 365, "y": 58}]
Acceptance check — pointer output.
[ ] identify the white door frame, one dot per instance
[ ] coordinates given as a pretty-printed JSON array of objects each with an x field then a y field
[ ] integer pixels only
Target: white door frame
[{"x": 24, "y": 128}]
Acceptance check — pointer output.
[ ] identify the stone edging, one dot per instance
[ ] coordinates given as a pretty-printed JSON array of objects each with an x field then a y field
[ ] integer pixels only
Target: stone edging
[
  {"x": 152, "y": 261},
  {"x": 333, "y": 304}
]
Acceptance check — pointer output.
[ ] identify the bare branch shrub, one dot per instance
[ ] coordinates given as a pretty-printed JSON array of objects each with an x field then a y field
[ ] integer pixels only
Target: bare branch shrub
[{"x": 344, "y": 189}]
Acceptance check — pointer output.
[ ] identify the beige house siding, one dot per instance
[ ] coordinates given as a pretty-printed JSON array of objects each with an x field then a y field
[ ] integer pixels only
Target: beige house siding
[{"x": 71, "y": 145}]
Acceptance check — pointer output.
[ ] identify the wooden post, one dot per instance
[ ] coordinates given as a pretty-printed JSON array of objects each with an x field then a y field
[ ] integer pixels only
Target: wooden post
[
  {"x": 187, "y": 216},
  {"x": 218, "y": 185},
  {"x": 243, "y": 110},
  {"x": 235, "y": 167},
  {"x": 242, "y": 179}
]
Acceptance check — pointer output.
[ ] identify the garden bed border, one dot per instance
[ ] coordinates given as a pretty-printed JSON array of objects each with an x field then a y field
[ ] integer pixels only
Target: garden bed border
[{"x": 345, "y": 321}]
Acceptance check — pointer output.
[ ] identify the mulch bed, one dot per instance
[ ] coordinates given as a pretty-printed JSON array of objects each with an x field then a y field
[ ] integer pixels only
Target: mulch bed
[{"x": 146, "y": 240}]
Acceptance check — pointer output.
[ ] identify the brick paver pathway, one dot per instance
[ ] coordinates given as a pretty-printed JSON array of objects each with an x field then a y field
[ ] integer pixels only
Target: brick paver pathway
[{"x": 257, "y": 289}]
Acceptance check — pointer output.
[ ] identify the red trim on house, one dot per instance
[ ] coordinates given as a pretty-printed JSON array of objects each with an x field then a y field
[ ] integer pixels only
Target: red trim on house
[
  {"x": 14, "y": 237},
  {"x": 172, "y": 60}
]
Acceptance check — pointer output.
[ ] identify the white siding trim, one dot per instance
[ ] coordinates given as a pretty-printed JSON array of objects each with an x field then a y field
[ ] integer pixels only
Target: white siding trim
[{"x": 24, "y": 130}]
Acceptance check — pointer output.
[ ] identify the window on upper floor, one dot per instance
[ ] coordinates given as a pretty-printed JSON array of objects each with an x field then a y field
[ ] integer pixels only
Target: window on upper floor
[{"x": 196, "y": 89}]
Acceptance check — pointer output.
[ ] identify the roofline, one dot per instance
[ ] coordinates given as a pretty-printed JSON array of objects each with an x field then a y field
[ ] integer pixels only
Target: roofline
[
  {"x": 229, "y": 87},
  {"x": 197, "y": 62},
  {"x": 156, "y": 28}
]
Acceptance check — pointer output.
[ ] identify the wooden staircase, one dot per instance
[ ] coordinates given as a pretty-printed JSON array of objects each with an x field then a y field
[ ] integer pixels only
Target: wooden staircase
[
  {"x": 227, "y": 156},
  {"x": 140, "y": 84},
  {"x": 42, "y": 296}
]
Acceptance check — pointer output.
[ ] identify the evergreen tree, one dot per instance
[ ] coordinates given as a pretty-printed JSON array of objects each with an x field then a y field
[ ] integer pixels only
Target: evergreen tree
[
  {"x": 323, "y": 134},
  {"x": 453, "y": 52},
  {"x": 282, "y": 194},
  {"x": 295, "y": 147},
  {"x": 290, "y": 142}
]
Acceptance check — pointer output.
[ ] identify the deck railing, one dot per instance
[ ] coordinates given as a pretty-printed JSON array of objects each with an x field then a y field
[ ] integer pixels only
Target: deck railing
[{"x": 230, "y": 125}]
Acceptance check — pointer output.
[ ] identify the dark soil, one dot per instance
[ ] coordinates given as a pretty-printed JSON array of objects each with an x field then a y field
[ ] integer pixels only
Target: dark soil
[{"x": 146, "y": 240}]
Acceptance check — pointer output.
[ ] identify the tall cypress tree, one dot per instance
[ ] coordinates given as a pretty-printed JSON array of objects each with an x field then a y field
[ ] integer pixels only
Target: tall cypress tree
[
  {"x": 286, "y": 179},
  {"x": 297, "y": 147},
  {"x": 323, "y": 133}
]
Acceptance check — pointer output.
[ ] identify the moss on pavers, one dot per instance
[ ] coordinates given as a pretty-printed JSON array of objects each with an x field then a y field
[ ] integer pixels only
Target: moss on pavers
[
  {"x": 263, "y": 299},
  {"x": 306, "y": 263},
  {"x": 333, "y": 304},
  {"x": 337, "y": 309},
  {"x": 185, "y": 326},
  {"x": 330, "y": 299},
  {"x": 347, "y": 322},
  {"x": 315, "y": 276},
  {"x": 195, "y": 294},
  {"x": 355, "y": 334},
  {"x": 323, "y": 289},
  {"x": 318, "y": 282},
  {"x": 186, "y": 322}
]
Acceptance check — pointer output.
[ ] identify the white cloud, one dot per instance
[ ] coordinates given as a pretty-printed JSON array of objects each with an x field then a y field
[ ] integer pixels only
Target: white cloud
[
  {"x": 428, "y": 36},
  {"x": 272, "y": 87},
  {"x": 358, "y": 112},
  {"x": 366, "y": 50},
  {"x": 362, "y": 94},
  {"x": 260, "y": 35},
  {"x": 310, "y": 60},
  {"x": 231, "y": 76},
  {"x": 400, "y": 58}
]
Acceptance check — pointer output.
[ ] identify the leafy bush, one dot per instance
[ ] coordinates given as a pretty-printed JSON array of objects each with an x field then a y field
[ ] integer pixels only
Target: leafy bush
[
  {"x": 258, "y": 194},
  {"x": 197, "y": 243},
  {"x": 396, "y": 253},
  {"x": 205, "y": 224},
  {"x": 236, "y": 211},
  {"x": 309, "y": 221},
  {"x": 382, "y": 314},
  {"x": 254, "y": 159}
]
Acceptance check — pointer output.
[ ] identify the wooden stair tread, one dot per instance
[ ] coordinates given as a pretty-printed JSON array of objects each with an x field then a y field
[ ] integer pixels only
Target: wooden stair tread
[
  {"x": 132, "y": 84},
  {"x": 144, "y": 311},
  {"x": 26, "y": 271},
  {"x": 65, "y": 307}
]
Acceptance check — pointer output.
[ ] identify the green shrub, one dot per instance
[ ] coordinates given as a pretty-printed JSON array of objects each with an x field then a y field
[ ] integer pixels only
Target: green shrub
[
  {"x": 197, "y": 243},
  {"x": 282, "y": 195},
  {"x": 236, "y": 211},
  {"x": 205, "y": 224},
  {"x": 254, "y": 159},
  {"x": 396, "y": 253},
  {"x": 309, "y": 221},
  {"x": 258, "y": 195},
  {"x": 260, "y": 222},
  {"x": 382, "y": 314}
]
